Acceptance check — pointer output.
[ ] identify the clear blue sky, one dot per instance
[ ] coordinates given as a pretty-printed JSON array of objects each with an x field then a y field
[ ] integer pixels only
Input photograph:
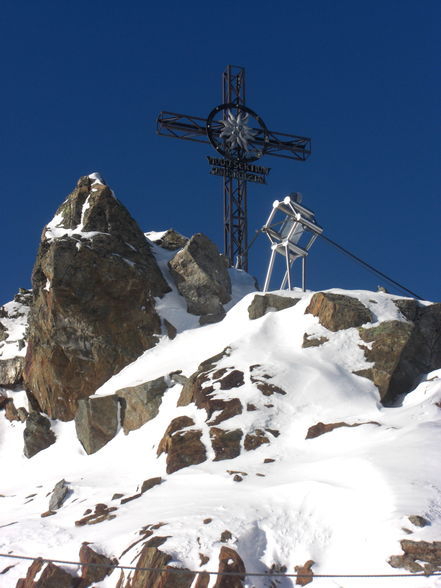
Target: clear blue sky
[{"x": 83, "y": 82}]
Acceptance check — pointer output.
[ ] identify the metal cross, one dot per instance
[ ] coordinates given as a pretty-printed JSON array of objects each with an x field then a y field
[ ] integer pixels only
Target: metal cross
[{"x": 241, "y": 137}]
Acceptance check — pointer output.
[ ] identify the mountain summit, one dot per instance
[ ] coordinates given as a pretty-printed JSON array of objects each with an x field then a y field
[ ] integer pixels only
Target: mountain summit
[{"x": 174, "y": 428}]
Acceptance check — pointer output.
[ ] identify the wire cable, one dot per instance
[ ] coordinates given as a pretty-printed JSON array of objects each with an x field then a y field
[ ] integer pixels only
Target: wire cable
[
  {"x": 268, "y": 574},
  {"x": 370, "y": 267}
]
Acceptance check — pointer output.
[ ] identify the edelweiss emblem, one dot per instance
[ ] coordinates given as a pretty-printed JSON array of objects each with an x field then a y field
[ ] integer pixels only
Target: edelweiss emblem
[{"x": 236, "y": 131}]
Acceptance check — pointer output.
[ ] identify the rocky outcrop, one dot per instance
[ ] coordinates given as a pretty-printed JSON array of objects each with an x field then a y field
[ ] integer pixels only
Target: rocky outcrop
[
  {"x": 263, "y": 303},
  {"x": 402, "y": 351},
  {"x": 322, "y": 428},
  {"x": 37, "y": 435},
  {"x": 140, "y": 404},
  {"x": 171, "y": 240},
  {"x": 96, "y": 421},
  {"x": 201, "y": 276},
  {"x": 230, "y": 562},
  {"x": 418, "y": 556},
  {"x": 11, "y": 371},
  {"x": 336, "y": 311},
  {"x": 153, "y": 558},
  {"x": 182, "y": 444},
  {"x": 96, "y": 566},
  {"x": 51, "y": 577},
  {"x": 94, "y": 284}
]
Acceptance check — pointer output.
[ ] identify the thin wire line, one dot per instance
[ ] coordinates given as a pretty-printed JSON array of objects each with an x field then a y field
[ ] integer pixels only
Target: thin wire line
[
  {"x": 369, "y": 266},
  {"x": 185, "y": 571}
]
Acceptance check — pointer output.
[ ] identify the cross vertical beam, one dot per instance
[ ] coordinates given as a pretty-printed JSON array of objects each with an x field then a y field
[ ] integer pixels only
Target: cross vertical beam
[{"x": 235, "y": 189}]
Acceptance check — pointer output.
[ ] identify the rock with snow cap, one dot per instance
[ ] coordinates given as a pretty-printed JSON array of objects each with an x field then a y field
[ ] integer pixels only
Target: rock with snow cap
[
  {"x": 93, "y": 312},
  {"x": 201, "y": 275}
]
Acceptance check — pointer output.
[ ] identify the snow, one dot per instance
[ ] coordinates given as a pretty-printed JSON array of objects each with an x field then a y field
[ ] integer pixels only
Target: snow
[{"x": 341, "y": 499}]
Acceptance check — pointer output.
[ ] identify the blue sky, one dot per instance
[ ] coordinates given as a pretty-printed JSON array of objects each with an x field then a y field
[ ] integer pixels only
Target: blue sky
[{"x": 83, "y": 83}]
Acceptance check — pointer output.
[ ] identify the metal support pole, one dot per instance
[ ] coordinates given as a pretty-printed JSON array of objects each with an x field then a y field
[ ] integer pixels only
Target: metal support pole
[{"x": 303, "y": 274}]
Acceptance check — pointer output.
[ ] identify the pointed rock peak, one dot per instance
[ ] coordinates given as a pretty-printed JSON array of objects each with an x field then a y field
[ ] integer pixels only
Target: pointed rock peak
[{"x": 92, "y": 209}]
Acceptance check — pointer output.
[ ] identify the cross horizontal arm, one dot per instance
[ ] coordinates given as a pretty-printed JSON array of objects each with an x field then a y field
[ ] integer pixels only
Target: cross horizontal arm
[
  {"x": 193, "y": 128},
  {"x": 182, "y": 126},
  {"x": 288, "y": 146}
]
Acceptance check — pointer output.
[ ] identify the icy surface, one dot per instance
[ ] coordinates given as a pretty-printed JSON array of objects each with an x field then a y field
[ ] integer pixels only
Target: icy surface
[{"x": 341, "y": 499}]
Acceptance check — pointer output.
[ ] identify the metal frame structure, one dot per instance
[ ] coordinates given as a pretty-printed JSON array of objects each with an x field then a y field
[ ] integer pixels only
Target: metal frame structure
[
  {"x": 289, "y": 225},
  {"x": 262, "y": 142}
]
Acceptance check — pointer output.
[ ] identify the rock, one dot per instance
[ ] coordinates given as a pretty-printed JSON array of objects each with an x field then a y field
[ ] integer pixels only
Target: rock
[
  {"x": 260, "y": 378},
  {"x": 170, "y": 329},
  {"x": 309, "y": 341},
  {"x": 11, "y": 413},
  {"x": 206, "y": 396},
  {"x": 59, "y": 495},
  {"x": 304, "y": 573},
  {"x": 393, "y": 352},
  {"x": 152, "y": 557},
  {"x": 230, "y": 562},
  {"x": 140, "y": 403},
  {"x": 226, "y": 444},
  {"x": 94, "y": 283},
  {"x": 182, "y": 445},
  {"x": 322, "y": 428},
  {"x": 150, "y": 483},
  {"x": 37, "y": 435},
  {"x": 201, "y": 276},
  {"x": 11, "y": 371},
  {"x": 419, "y": 521},
  {"x": 171, "y": 240},
  {"x": 102, "y": 513},
  {"x": 178, "y": 377},
  {"x": 417, "y": 553},
  {"x": 263, "y": 303},
  {"x": 210, "y": 319},
  {"x": 408, "y": 308},
  {"x": 254, "y": 440},
  {"x": 337, "y": 311},
  {"x": 94, "y": 573},
  {"x": 51, "y": 577},
  {"x": 96, "y": 421}
]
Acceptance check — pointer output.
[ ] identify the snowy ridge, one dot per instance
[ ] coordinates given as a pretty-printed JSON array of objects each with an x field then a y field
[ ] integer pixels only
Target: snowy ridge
[{"x": 341, "y": 499}]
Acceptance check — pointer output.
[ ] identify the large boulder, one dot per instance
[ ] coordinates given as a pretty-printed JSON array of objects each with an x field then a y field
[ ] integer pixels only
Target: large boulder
[
  {"x": 96, "y": 421},
  {"x": 151, "y": 559},
  {"x": 37, "y": 435},
  {"x": 201, "y": 276},
  {"x": 337, "y": 311},
  {"x": 140, "y": 404},
  {"x": 94, "y": 284},
  {"x": 401, "y": 352}
]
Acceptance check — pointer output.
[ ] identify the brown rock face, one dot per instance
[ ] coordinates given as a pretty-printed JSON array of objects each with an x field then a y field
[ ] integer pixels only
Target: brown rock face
[
  {"x": 336, "y": 311},
  {"x": 93, "y": 309},
  {"x": 201, "y": 276},
  {"x": 152, "y": 557},
  {"x": 230, "y": 561},
  {"x": 418, "y": 556},
  {"x": 94, "y": 573},
  {"x": 51, "y": 577},
  {"x": 140, "y": 403},
  {"x": 263, "y": 303},
  {"x": 183, "y": 447}
]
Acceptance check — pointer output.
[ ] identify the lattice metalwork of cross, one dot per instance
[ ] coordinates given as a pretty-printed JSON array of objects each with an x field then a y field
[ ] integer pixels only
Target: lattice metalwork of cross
[{"x": 240, "y": 137}]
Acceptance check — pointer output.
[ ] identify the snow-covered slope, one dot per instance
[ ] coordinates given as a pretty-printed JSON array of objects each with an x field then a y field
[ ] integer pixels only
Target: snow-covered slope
[{"x": 341, "y": 499}]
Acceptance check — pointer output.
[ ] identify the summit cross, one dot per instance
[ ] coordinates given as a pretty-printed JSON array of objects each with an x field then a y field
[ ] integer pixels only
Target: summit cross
[{"x": 241, "y": 137}]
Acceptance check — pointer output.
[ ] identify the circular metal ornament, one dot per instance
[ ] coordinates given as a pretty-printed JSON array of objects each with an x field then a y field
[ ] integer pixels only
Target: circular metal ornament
[{"x": 231, "y": 135}]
